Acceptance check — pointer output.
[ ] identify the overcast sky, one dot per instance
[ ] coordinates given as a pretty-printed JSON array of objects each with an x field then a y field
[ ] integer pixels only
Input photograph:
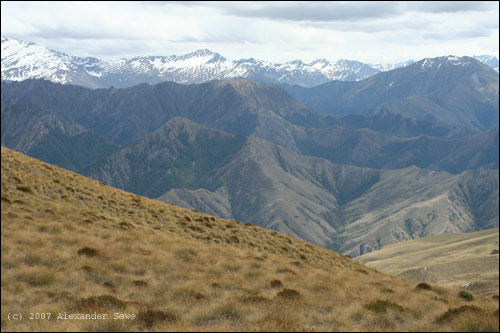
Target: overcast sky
[{"x": 372, "y": 32}]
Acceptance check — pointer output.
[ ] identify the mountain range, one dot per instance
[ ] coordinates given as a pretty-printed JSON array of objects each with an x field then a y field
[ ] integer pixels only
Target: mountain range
[
  {"x": 21, "y": 61},
  {"x": 251, "y": 152},
  {"x": 337, "y": 206},
  {"x": 447, "y": 90},
  {"x": 352, "y": 166}
]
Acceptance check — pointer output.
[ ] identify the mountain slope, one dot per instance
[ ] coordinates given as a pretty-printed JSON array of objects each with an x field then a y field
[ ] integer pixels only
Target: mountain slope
[
  {"x": 391, "y": 207},
  {"x": 366, "y": 148},
  {"x": 338, "y": 206},
  {"x": 41, "y": 133},
  {"x": 455, "y": 260},
  {"x": 449, "y": 90},
  {"x": 82, "y": 248},
  {"x": 413, "y": 203},
  {"x": 123, "y": 116},
  {"x": 178, "y": 154}
]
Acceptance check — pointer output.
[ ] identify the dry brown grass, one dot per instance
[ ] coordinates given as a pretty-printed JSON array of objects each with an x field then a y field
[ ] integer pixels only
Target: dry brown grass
[
  {"x": 71, "y": 244},
  {"x": 467, "y": 261}
]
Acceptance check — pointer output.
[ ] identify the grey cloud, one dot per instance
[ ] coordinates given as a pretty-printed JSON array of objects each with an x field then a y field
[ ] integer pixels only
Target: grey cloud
[
  {"x": 324, "y": 11},
  {"x": 317, "y": 11},
  {"x": 451, "y": 6}
]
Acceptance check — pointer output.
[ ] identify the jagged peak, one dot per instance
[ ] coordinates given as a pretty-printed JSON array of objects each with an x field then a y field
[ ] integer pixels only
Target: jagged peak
[
  {"x": 248, "y": 60},
  {"x": 296, "y": 62},
  {"x": 201, "y": 53},
  {"x": 320, "y": 60},
  {"x": 349, "y": 62}
]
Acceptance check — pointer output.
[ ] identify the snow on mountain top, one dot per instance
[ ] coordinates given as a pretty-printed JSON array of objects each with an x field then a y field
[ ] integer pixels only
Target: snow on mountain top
[
  {"x": 21, "y": 60},
  {"x": 485, "y": 57},
  {"x": 489, "y": 60},
  {"x": 390, "y": 67},
  {"x": 200, "y": 53},
  {"x": 447, "y": 60}
]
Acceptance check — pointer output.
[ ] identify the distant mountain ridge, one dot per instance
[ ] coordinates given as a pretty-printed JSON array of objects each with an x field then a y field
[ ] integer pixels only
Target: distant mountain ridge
[
  {"x": 458, "y": 91},
  {"x": 21, "y": 61},
  {"x": 253, "y": 152},
  {"x": 124, "y": 116}
]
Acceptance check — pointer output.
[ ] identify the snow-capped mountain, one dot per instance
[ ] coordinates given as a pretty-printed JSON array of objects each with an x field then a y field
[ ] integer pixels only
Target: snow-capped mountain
[
  {"x": 390, "y": 67},
  {"x": 489, "y": 60},
  {"x": 21, "y": 60}
]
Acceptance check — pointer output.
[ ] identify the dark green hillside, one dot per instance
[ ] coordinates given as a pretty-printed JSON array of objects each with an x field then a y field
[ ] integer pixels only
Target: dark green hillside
[{"x": 180, "y": 154}]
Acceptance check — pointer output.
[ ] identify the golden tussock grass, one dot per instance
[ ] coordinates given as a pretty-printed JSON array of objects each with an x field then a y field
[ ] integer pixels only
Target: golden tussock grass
[{"x": 74, "y": 245}]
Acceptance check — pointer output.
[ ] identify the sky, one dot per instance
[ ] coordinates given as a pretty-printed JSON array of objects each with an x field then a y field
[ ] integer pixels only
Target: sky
[{"x": 372, "y": 32}]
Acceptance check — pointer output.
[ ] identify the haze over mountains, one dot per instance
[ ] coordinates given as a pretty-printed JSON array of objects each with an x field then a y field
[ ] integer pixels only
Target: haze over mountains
[
  {"x": 352, "y": 166},
  {"x": 22, "y": 60}
]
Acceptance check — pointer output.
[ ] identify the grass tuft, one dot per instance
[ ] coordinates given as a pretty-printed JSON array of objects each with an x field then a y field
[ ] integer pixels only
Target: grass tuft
[
  {"x": 466, "y": 295},
  {"x": 276, "y": 284},
  {"x": 423, "y": 286},
  {"x": 140, "y": 283},
  {"x": 225, "y": 312},
  {"x": 37, "y": 278},
  {"x": 186, "y": 255},
  {"x": 150, "y": 317},
  {"x": 289, "y": 294},
  {"x": 88, "y": 251},
  {"x": 455, "y": 313},
  {"x": 103, "y": 301},
  {"x": 381, "y": 306},
  {"x": 25, "y": 189}
]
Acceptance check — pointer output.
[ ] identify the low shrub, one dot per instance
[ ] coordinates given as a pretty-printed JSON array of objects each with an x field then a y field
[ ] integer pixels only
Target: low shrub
[
  {"x": 88, "y": 251},
  {"x": 381, "y": 306},
  {"x": 466, "y": 295},
  {"x": 452, "y": 314},
  {"x": 140, "y": 283},
  {"x": 276, "y": 284},
  {"x": 423, "y": 286},
  {"x": 104, "y": 301},
  {"x": 150, "y": 317},
  {"x": 289, "y": 294}
]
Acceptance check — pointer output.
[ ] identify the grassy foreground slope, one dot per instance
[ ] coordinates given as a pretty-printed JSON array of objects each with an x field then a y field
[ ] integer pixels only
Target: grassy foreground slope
[
  {"x": 76, "y": 246},
  {"x": 468, "y": 260}
]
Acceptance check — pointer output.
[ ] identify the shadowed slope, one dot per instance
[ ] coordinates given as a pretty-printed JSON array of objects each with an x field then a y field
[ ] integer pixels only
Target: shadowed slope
[
  {"x": 347, "y": 208},
  {"x": 449, "y": 90}
]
